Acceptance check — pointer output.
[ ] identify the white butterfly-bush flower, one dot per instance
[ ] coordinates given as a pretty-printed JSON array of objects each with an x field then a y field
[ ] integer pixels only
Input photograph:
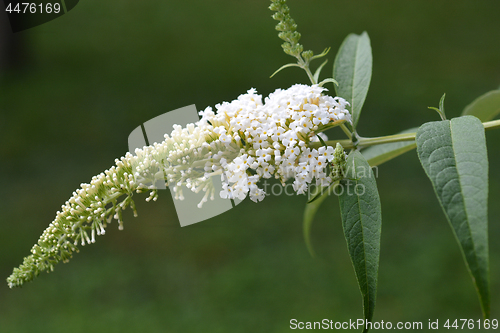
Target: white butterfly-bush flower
[
  {"x": 273, "y": 137},
  {"x": 244, "y": 141}
]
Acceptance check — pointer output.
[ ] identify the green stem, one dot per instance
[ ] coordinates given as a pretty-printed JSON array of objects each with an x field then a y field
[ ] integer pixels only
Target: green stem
[
  {"x": 113, "y": 196},
  {"x": 323, "y": 128},
  {"x": 347, "y": 144},
  {"x": 346, "y": 131},
  {"x": 494, "y": 124},
  {"x": 305, "y": 66},
  {"x": 366, "y": 142}
]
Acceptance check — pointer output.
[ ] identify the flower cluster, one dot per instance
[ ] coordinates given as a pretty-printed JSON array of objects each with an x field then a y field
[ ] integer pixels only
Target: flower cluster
[
  {"x": 244, "y": 141},
  {"x": 273, "y": 137}
]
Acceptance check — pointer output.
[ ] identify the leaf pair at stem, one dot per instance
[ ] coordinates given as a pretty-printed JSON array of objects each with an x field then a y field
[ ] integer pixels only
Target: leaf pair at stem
[{"x": 453, "y": 155}]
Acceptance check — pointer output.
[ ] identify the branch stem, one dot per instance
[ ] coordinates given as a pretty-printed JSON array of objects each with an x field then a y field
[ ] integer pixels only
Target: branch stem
[
  {"x": 494, "y": 124},
  {"x": 367, "y": 142},
  {"x": 305, "y": 66},
  {"x": 346, "y": 131}
]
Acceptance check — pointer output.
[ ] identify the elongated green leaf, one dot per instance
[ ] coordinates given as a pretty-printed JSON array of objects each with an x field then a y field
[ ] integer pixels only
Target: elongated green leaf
[
  {"x": 362, "y": 221},
  {"x": 379, "y": 154},
  {"x": 485, "y": 107},
  {"x": 453, "y": 154},
  {"x": 440, "y": 111},
  {"x": 283, "y": 67},
  {"x": 353, "y": 72},
  {"x": 318, "y": 71},
  {"x": 375, "y": 156}
]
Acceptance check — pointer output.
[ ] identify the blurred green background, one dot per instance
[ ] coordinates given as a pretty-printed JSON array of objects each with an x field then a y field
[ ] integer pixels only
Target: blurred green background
[{"x": 84, "y": 81}]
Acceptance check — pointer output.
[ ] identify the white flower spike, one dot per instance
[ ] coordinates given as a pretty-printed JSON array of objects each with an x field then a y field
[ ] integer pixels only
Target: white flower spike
[{"x": 244, "y": 141}]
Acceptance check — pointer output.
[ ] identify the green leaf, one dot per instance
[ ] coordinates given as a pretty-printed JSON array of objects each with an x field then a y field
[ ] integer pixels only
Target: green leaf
[
  {"x": 322, "y": 83},
  {"x": 453, "y": 154},
  {"x": 318, "y": 71},
  {"x": 440, "y": 111},
  {"x": 353, "y": 72},
  {"x": 379, "y": 154},
  {"x": 322, "y": 54},
  {"x": 362, "y": 222},
  {"x": 283, "y": 67},
  {"x": 441, "y": 103},
  {"x": 485, "y": 107}
]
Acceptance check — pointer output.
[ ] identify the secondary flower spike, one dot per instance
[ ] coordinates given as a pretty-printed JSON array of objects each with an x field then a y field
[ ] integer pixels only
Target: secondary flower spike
[{"x": 243, "y": 141}]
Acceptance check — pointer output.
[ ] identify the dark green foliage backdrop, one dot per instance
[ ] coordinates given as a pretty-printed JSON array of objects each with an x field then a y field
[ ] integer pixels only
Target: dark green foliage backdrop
[{"x": 93, "y": 75}]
